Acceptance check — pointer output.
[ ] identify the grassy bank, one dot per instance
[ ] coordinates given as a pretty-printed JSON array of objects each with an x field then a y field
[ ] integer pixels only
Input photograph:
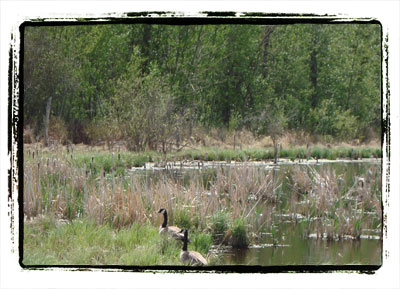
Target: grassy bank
[{"x": 83, "y": 242}]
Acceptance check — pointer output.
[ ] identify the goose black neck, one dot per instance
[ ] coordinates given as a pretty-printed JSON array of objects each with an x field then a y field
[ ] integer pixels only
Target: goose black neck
[
  {"x": 185, "y": 241},
  {"x": 164, "y": 224}
]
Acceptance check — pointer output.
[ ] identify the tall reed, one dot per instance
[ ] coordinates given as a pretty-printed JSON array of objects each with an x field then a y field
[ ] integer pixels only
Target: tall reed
[{"x": 55, "y": 184}]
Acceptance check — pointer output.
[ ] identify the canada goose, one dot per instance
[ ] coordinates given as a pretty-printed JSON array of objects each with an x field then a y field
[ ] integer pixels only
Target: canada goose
[
  {"x": 191, "y": 257},
  {"x": 173, "y": 231}
]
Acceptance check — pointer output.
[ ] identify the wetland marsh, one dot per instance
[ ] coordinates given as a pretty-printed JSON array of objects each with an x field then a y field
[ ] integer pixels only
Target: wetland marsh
[{"x": 293, "y": 213}]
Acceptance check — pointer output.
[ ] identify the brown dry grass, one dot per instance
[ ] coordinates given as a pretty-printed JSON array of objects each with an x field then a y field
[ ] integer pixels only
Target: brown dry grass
[
  {"x": 221, "y": 138},
  {"x": 59, "y": 188},
  {"x": 338, "y": 208},
  {"x": 54, "y": 185}
]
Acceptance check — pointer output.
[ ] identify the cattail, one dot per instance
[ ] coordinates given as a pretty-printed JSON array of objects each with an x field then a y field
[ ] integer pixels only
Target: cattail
[{"x": 39, "y": 205}]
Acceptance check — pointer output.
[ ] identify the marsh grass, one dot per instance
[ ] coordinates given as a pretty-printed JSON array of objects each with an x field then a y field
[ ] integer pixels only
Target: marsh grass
[
  {"x": 183, "y": 219},
  {"x": 219, "y": 225},
  {"x": 117, "y": 162},
  {"x": 201, "y": 242},
  {"x": 96, "y": 191},
  {"x": 334, "y": 210},
  {"x": 239, "y": 234},
  {"x": 267, "y": 154},
  {"x": 58, "y": 187}
]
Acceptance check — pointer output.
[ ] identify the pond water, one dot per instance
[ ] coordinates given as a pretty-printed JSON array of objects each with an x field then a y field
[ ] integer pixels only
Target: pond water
[
  {"x": 186, "y": 172},
  {"x": 292, "y": 249},
  {"x": 289, "y": 245}
]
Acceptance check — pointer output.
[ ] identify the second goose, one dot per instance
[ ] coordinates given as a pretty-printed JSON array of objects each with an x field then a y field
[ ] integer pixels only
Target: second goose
[
  {"x": 191, "y": 257},
  {"x": 173, "y": 231}
]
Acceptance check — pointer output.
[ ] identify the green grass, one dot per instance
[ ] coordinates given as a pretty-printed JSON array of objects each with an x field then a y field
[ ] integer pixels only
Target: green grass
[
  {"x": 316, "y": 152},
  {"x": 366, "y": 153},
  {"x": 82, "y": 242},
  {"x": 219, "y": 225},
  {"x": 239, "y": 234},
  {"x": 182, "y": 219},
  {"x": 201, "y": 243},
  {"x": 116, "y": 163},
  {"x": 261, "y": 154},
  {"x": 95, "y": 162}
]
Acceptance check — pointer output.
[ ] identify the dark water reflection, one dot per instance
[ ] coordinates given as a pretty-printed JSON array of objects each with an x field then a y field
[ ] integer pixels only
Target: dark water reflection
[{"x": 294, "y": 250}]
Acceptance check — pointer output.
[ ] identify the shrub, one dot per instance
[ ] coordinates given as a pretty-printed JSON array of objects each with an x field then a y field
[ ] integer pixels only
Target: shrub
[
  {"x": 377, "y": 153},
  {"x": 226, "y": 155},
  {"x": 28, "y": 135},
  {"x": 282, "y": 153},
  {"x": 182, "y": 218},
  {"x": 366, "y": 153},
  {"x": 243, "y": 157},
  {"x": 259, "y": 155},
  {"x": 301, "y": 153},
  {"x": 325, "y": 152},
  {"x": 355, "y": 154},
  {"x": 332, "y": 155},
  {"x": 93, "y": 132},
  {"x": 58, "y": 130},
  {"x": 316, "y": 152},
  {"x": 140, "y": 160},
  {"x": 345, "y": 125},
  {"x": 270, "y": 154},
  {"x": 202, "y": 243},
  {"x": 107, "y": 164},
  {"x": 219, "y": 225},
  {"x": 343, "y": 152},
  {"x": 239, "y": 234},
  {"x": 292, "y": 154}
]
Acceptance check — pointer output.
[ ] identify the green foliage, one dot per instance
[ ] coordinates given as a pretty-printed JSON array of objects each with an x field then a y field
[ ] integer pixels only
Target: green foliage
[
  {"x": 270, "y": 120},
  {"x": 201, "y": 243},
  {"x": 81, "y": 242},
  {"x": 345, "y": 126},
  {"x": 329, "y": 120},
  {"x": 219, "y": 225},
  {"x": 140, "y": 160},
  {"x": 239, "y": 234},
  {"x": 332, "y": 155},
  {"x": 182, "y": 218},
  {"x": 234, "y": 121},
  {"x": 343, "y": 152},
  {"x": 260, "y": 154},
  {"x": 150, "y": 85},
  {"x": 366, "y": 153},
  {"x": 377, "y": 153},
  {"x": 316, "y": 152}
]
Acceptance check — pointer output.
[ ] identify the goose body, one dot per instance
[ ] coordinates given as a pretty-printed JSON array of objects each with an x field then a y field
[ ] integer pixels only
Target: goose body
[
  {"x": 191, "y": 257},
  {"x": 173, "y": 231}
]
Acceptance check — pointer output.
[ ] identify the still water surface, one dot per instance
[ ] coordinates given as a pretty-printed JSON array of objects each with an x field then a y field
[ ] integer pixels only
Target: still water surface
[{"x": 292, "y": 249}]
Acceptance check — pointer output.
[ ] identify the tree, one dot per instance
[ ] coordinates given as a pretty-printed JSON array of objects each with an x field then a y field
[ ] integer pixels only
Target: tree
[
  {"x": 270, "y": 120},
  {"x": 142, "y": 107},
  {"x": 48, "y": 75},
  {"x": 202, "y": 76}
]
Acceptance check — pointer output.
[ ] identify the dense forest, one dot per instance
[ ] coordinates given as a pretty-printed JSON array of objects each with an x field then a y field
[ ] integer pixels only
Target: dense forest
[{"x": 151, "y": 85}]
